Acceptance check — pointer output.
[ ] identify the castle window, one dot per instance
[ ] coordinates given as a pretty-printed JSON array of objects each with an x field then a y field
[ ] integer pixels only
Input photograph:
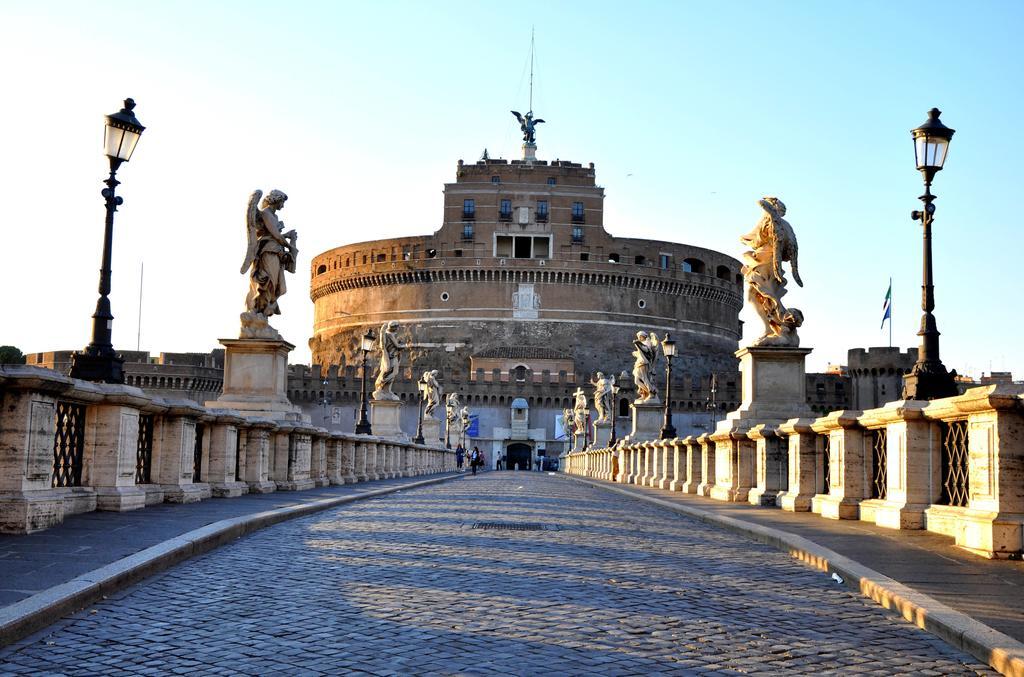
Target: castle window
[
  {"x": 467, "y": 231},
  {"x": 613, "y": 258},
  {"x": 381, "y": 257},
  {"x": 693, "y": 266},
  {"x": 445, "y": 296},
  {"x": 577, "y": 233},
  {"x": 469, "y": 209},
  {"x": 519, "y": 373},
  {"x": 320, "y": 270},
  {"x": 542, "y": 210},
  {"x": 664, "y": 261},
  {"x": 641, "y": 304},
  {"x": 458, "y": 253},
  {"x": 723, "y": 273},
  {"x": 495, "y": 179},
  {"x": 639, "y": 259},
  {"x": 503, "y": 247},
  {"x": 431, "y": 253},
  {"x": 505, "y": 213},
  {"x": 577, "y": 212},
  {"x": 552, "y": 181},
  {"x": 584, "y": 256},
  {"x": 541, "y": 247},
  {"x": 364, "y": 259},
  {"x": 522, "y": 248}
]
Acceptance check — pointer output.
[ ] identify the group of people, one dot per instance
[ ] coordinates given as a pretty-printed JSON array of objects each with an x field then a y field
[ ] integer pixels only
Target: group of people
[{"x": 476, "y": 458}]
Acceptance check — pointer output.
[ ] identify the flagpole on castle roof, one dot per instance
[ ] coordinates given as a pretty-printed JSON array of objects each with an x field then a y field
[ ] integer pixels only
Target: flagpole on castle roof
[{"x": 890, "y": 311}]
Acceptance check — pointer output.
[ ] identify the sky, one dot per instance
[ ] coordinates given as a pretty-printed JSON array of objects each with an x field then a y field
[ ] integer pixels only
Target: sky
[{"x": 691, "y": 111}]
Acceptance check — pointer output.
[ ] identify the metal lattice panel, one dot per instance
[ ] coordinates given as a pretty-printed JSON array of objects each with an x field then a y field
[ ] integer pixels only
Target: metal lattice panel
[
  {"x": 955, "y": 474},
  {"x": 144, "y": 455},
  {"x": 879, "y": 463},
  {"x": 68, "y": 444},
  {"x": 197, "y": 461},
  {"x": 509, "y": 526},
  {"x": 238, "y": 451},
  {"x": 826, "y": 456}
]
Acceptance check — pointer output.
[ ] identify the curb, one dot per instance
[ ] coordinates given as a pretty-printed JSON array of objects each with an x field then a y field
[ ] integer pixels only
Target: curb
[
  {"x": 1000, "y": 651},
  {"x": 34, "y": 613}
]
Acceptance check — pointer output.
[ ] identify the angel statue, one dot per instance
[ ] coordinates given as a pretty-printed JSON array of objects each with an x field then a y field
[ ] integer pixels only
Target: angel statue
[
  {"x": 645, "y": 353},
  {"x": 451, "y": 408},
  {"x": 464, "y": 420},
  {"x": 431, "y": 392},
  {"x": 270, "y": 253},
  {"x": 772, "y": 242},
  {"x": 580, "y": 412},
  {"x": 390, "y": 352},
  {"x": 527, "y": 123},
  {"x": 568, "y": 426},
  {"x": 603, "y": 386}
]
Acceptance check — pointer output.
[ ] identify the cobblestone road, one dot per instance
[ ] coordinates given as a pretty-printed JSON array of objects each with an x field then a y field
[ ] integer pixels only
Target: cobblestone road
[{"x": 406, "y": 585}]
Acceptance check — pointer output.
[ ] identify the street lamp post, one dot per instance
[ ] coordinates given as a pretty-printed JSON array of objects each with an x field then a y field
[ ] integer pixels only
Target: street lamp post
[
  {"x": 419, "y": 425},
  {"x": 99, "y": 362},
  {"x": 668, "y": 347},
  {"x": 712, "y": 403},
  {"x": 615, "y": 412},
  {"x": 366, "y": 345},
  {"x": 325, "y": 401},
  {"x": 929, "y": 379}
]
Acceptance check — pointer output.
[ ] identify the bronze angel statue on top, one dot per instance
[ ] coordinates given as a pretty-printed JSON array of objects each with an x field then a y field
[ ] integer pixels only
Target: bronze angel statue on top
[
  {"x": 527, "y": 123},
  {"x": 269, "y": 254}
]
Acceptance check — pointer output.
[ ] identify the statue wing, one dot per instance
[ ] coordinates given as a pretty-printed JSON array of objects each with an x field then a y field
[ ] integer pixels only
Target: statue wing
[
  {"x": 538, "y": 121},
  {"x": 518, "y": 116},
  {"x": 252, "y": 215}
]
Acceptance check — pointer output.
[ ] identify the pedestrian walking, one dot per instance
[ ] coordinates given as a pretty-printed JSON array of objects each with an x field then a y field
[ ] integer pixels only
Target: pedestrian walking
[
  {"x": 501, "y": 463},
  {"x": 460, "y": 456},
  {"x": 474, "y": 459}
]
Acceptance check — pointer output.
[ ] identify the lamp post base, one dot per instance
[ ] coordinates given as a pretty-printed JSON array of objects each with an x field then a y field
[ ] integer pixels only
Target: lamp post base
[
  {"x": 929, "y": 382},
  {"x": 101, "y": 368}
]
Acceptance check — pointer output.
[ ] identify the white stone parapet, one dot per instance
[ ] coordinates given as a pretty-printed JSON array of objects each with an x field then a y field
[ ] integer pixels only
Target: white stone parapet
[{"x": 73, "y": 446}]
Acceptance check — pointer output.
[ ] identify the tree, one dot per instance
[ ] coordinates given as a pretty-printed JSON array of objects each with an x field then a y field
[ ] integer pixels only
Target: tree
[{"x": 11, "y": 355}]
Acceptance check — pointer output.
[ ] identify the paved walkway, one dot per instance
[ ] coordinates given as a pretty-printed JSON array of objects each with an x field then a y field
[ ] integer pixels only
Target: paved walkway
[
  {"x": 406, "y": 585},
  {"x": 990, "y": 591},
  {"x": 83, "y": 543}
]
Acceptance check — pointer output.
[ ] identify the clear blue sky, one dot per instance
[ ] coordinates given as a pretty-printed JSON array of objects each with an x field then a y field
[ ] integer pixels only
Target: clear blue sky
[{"x": 359, "y": 111}]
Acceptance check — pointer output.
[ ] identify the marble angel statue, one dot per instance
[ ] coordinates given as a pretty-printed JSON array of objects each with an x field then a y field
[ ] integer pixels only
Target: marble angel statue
[
  {"x": 603, "y": 396},
  {"x": 644, "y": 354},
  {"x": 431, "y": 392},
  {"x": 390, "y": 354},
  {"x": 772, "y": 242},
  {"x": 269, "y": 254}
]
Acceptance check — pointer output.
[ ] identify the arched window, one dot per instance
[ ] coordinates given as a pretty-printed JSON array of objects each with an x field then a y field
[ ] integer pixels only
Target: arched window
[
  {"x": 693, "y": 266},
  {"x": 321, "y": 269},
  {"x": 613, "y": 258},
  {"x": 723, "y": 273},
  {"x": 519, "y": 373}
]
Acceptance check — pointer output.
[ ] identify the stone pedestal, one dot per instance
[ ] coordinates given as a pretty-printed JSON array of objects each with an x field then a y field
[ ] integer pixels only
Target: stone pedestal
[
  {"x": 432, "y": 431},
  {"x": 771, "y": 456},
  {"x": 385, "y": 418},
  {"x": 256, "y": 379},
  {"x": 222, "y": 469},
  {"x": 530, "y": 152},
  {"x": 802, "y": 467},
  {"x": 774, "y": 384},
  {"x": 847, "y": 484},
  {"x": 256, "y": 466},
  {"x": 174, "y": 447},
  {"x": 648, "y": 418},
  {"x": 602, "y": 433},
  {"x": 111, "y": 448}
]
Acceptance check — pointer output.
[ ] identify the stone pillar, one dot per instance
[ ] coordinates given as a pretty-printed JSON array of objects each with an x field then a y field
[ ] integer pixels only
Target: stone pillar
[
  {"x": 432, "y": 431},
  {"x": 318, "y": 458},
  {"x": 259, "y": 436},
  {"x": 29, "y": 396},
  {"x": 223, "y": 431},
  {"x": 360, "y": 451},
  {"x": 385, "y": 417},
  {"x": 281, "y": 453},
  {"x": 770, "y": 451},
  {"x": 333, "y": 451},
  {"x": 602, "y": 433},
  {"x": 348, "y": 459},
  {"x": 174, "y": 445},
  {"x": 292, "y": 456},
  {"x": 734, "y": 463},
  {"x": 694, "y": 467},
  {"x": 847, "y": 481},
  {"x": 912, "y": 452},
  {"x": 802, "y": 447},
  {"x": 667, "y": 466},
  {"x": 371, "y": 459},
  {"x": 708, "y": 461},
  {"x": 111, "y": 449}
]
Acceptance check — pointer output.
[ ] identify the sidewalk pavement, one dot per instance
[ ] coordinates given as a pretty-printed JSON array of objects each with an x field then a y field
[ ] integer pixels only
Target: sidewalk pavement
[
  {"x": 49, "y": 573},
  {"x": 990, "y": 592}
]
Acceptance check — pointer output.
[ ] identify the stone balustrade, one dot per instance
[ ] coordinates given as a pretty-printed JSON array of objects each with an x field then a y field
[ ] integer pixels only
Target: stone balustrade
[
  {"x": 953, "y": 466},
  {"x": 70, "y": 446}
]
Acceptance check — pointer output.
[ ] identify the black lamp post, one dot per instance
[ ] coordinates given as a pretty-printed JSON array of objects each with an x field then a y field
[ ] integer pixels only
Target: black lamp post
[
  {"x": 448, "y": 416},
  {"x": 712, "y": 404},
  {"x": 419, "y": 425},
  {"x": 366, "y": 345},
  {"x": 99, "y": 362},
  {"x": 615, "y": 412},
  {"x": 325, "y": 401},
  {"x": 668, "y": 347},
  {"x": 929, "y": 378}
]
